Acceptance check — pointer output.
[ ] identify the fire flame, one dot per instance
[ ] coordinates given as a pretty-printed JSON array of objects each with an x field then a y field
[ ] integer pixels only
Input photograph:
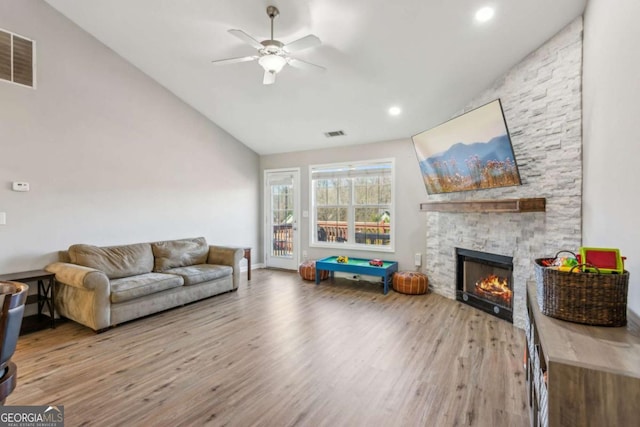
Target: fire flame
[{"x": 496, "y": 287}]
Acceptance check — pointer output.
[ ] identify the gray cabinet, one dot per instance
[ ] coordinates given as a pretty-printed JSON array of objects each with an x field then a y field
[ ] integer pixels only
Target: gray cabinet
[{"x": 580, "y": 375}]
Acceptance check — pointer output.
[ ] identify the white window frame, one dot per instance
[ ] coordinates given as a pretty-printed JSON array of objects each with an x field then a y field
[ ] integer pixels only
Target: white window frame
[{"x": 313, "y": 233}]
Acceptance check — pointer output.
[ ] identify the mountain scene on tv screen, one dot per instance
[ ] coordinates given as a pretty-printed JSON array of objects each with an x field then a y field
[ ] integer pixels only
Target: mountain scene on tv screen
[{"x": 471, "y": 166}]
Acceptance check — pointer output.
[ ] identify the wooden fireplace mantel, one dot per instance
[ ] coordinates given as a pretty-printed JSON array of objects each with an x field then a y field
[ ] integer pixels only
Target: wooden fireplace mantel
[{"x": 498, "y": 206}]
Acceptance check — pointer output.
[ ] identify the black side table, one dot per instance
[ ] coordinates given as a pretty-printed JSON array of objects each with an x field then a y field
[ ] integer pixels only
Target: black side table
[{"x": 44, "y": 297}]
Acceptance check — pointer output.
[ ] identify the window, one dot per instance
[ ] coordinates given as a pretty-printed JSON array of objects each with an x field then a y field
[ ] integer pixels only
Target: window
[
  {"x": 17, "y": 57},
  {"x": 352, "y": 205}
]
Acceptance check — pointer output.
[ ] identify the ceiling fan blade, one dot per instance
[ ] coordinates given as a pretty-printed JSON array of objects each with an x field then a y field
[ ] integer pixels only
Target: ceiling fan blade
[
  {"x": 246, "y": 38},
  {"x": 304, "y": 65},
  {"x": 303, "y": 43},
  {"x": 234, "y": 60},
  {"x": 269, "y": 78}
]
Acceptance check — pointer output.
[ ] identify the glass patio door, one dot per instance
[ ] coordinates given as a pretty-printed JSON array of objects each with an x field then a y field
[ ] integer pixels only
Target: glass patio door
[{"x": 282, "y": 200}]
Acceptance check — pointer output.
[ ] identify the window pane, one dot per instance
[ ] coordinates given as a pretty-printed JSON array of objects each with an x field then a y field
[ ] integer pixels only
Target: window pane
[
  {"x": 373, "y": 226},
  {"x": 320, "y": 191},
  {"x": 281, "y": 204},
  {"x": 344, "y": 194},
  {"x": 282, "y": 215},
  {"x": 372, "y": 190},
  {"x": 332, "y": 224},
  {"x": 281, "y": 197},
  {"x": 332, "y": 192},
  {"x": 326, "y": 192},
  {"x": 384, "y": 195},
  {"x": 360, "y": 191}
]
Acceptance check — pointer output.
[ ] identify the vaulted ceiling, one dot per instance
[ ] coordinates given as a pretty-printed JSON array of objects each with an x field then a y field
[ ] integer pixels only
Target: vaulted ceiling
[{"x": 427, "y": 57}]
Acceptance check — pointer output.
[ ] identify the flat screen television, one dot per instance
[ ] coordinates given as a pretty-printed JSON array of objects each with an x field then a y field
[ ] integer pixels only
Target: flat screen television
[{"x": 470, "y": 152}]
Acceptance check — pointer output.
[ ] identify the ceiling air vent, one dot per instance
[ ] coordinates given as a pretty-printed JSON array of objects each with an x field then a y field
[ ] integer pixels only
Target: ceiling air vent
[
  {"x": 17, "y": 58},
  {"x": 334, "y": 133}
]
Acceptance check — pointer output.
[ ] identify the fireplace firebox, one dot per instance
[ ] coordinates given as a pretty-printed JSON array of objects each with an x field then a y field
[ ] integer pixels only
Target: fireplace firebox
[{"x": 485, "y": 281}]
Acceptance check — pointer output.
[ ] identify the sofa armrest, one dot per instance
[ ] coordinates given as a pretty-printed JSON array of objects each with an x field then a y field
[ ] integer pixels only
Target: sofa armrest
[
  {"x": 226, "y": 255},
  {"x": 78, "y": 276},
  {"x": 82, "y": 294}
]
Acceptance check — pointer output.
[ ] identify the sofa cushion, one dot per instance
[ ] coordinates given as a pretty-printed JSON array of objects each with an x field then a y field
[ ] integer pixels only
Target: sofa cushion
[
  {"x": 114, "y": 261},
  {"x": 128, "y": 288},
  {"x": 179, "y": 253},
  {"x": 195, "y": 274}
]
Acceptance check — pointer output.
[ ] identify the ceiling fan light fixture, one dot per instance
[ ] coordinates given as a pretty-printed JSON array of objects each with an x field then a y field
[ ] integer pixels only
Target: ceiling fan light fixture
[
  {"x": 273, "y": 55},
  {"x": 272, "y": 63}
]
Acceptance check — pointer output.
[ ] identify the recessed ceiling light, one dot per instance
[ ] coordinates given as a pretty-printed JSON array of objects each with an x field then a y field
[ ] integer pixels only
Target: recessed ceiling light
[
  {"x": 395, "y": 111},
  {"x": 484, "y": 14}
]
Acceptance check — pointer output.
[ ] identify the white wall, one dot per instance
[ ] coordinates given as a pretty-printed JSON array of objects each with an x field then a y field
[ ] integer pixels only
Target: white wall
[
  {"x": 611, "y": 132},
  {"x": 111, "y": 156},
  {"x": 410, "y": 192}
]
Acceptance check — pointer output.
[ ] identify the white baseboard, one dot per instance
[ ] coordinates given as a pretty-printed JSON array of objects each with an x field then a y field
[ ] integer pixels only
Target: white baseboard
[{"x": 244, "y": 268}]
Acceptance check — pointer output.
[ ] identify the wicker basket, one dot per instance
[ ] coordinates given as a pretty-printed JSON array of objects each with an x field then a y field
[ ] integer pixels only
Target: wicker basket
[{"x": 589, "y": 298}]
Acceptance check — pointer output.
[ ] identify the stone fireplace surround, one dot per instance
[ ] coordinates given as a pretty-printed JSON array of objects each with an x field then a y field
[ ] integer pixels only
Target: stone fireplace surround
[{"x": 542, "y": 102}]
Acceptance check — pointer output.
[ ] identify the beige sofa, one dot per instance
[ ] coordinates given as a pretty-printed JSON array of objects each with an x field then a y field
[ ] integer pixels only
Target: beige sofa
[{"x": 101, "y": 287}]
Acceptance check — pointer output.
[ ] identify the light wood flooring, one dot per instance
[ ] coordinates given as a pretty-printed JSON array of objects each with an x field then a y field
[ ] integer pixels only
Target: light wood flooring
[{"x": 283, "y": 352}]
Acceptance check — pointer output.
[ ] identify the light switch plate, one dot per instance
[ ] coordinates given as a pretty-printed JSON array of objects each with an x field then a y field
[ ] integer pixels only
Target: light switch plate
[
  {"x": 417, "y": 259},
  {"x": 3, "y": 218}
]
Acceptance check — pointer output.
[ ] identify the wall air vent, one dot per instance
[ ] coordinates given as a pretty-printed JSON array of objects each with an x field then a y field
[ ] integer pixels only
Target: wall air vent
[
  {"x": 17, "y": 59},
  {"x": 334, "y": 133}
]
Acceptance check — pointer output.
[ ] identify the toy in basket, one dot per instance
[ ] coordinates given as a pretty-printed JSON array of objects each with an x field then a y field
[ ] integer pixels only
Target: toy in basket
[
  {"x": 607, "y": 260},
  {"x": 590, "y": 296}
]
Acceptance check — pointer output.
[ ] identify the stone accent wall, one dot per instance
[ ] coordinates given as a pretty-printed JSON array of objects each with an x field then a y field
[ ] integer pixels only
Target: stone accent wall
[{"x": 542, "y": 102}]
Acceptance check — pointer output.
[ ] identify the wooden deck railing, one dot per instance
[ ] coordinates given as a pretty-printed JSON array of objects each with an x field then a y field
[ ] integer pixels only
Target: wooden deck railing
[
  {"x": 282, "y": 240},
  {"x": 370, "y": 233}
]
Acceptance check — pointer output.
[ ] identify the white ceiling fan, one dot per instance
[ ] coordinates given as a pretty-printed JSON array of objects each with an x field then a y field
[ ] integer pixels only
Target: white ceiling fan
[{"x": 273, "y": 55}]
